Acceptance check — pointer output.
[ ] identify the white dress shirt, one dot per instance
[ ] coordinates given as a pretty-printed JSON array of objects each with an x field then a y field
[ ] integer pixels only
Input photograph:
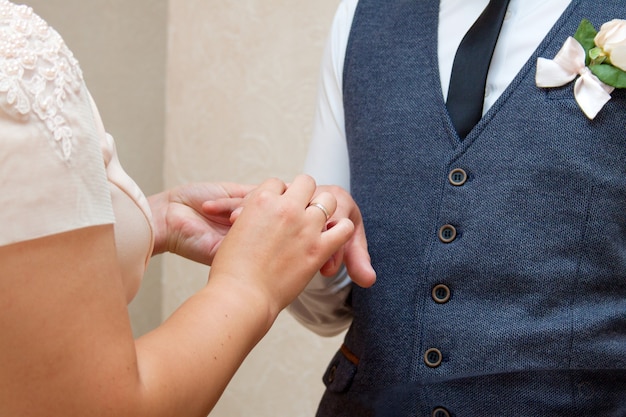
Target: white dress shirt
[{"x": 320, "y": 307}]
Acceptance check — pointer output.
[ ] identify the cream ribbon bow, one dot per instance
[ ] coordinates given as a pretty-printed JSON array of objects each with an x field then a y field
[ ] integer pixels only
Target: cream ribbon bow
[{"x": 591, "y": 94}]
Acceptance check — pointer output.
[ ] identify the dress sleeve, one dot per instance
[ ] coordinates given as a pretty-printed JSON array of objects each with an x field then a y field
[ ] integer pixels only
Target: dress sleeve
[{"x": 52, "y": 173}]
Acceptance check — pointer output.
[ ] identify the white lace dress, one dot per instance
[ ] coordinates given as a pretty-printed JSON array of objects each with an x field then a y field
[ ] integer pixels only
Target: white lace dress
[{"x": 58, "y": 167}]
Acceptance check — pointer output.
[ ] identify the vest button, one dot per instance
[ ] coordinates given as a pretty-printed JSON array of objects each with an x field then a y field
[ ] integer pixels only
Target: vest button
[
  {"x": 447, "y": 233},
  {"x": 457, "y": 177},
  {"x": 441, "y": 293},
  {"x": 433, "y": 357},
  {"x": 440, "y": 412}
]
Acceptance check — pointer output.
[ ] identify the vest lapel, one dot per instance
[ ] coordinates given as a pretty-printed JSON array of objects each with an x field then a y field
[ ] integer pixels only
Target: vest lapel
[{"x": 547, "y": 48}]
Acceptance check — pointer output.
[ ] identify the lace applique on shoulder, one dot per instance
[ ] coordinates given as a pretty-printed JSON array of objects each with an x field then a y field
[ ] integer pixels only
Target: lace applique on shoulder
[{"x": 37, "y": 70}]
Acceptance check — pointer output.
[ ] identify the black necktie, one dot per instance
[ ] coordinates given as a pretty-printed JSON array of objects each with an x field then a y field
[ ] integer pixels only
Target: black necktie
[{"x": 471, "y": 63}]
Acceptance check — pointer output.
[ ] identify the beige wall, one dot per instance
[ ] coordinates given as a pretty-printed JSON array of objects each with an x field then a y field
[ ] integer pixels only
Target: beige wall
[
  {"x": 242, "y": 78},
  {"x": 209, "y": 90}
]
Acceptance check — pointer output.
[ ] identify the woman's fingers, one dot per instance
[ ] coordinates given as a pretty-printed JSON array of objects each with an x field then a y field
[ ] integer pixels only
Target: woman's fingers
[
  {"x": 337, "y": 236},
  {"x": 221, "y": 206},
  {"x": 272, "y": 186},
  {"x": 301, "y": 188}
]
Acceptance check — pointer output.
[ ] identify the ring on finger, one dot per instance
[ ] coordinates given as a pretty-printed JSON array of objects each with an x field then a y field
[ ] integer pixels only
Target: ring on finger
[{"x": 322, "y": 208}]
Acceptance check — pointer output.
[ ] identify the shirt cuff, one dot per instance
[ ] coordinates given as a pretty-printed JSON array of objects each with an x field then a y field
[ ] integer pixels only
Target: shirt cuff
[{"x": 322, "y": 307}]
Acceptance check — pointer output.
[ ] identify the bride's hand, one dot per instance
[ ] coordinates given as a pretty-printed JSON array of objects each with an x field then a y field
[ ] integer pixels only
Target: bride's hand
[
  {"x": 353, "y": 254},
  {"x": 280, "y": 240},
  {"x": 182, "y": 226}
]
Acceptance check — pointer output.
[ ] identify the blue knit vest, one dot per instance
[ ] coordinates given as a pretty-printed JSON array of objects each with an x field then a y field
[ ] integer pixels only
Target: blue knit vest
[{"x": 501, "y": 292}]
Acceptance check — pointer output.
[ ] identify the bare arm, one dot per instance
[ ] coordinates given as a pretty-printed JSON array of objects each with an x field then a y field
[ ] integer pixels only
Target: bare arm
[{"x": 66, "y": 344}]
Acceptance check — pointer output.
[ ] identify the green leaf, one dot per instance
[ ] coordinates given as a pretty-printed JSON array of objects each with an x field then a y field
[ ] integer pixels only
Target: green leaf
[
  {"x": 585, "y": 35},
  {"x": 610, "y": 75},
  {"x": 596, "y": 56}
]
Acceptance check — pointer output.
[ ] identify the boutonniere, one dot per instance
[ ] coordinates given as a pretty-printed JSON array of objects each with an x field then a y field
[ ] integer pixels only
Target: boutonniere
[{"x": 598, "y": 59}]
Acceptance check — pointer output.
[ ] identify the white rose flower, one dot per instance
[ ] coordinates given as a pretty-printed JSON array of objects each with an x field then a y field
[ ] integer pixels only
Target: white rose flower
[{"x": 612, "y": 39}]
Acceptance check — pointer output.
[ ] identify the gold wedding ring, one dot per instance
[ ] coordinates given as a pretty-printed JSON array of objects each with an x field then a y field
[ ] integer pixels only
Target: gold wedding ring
[{"x": 321, "y": 207}]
